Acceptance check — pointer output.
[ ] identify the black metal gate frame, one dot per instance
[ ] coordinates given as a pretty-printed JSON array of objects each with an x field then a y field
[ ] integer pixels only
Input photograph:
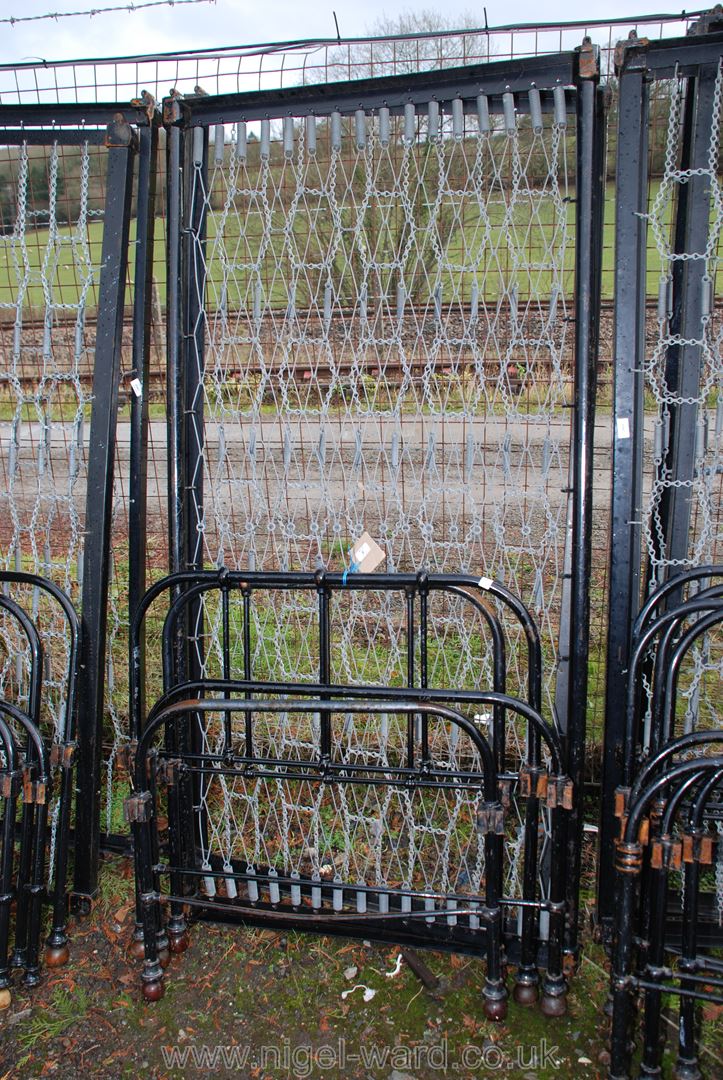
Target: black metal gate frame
[
  {"x": 695, "y": 58},
  {"x": 540, "y": 785},
  {"x": 106, "y": 124},
  {"x": 185, "y": 356}
]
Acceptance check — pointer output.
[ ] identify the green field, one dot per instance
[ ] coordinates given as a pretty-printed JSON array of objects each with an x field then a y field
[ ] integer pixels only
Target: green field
[{"x": 63, "y": 268}]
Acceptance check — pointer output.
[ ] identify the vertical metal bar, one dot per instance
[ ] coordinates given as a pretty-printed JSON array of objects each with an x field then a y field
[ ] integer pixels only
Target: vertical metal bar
[
  {"x": 685, "y": 354},
  {"x": 174, "y": 366},
  {"x": 324, "y": 662},
  {"x": 176, "y": 731},
  {"x": 631, "y": 187},
  {"x": 140, "y": 383},
  {"x": 248, "y": 723},
  {"x": 423, "y": 661},
  {"x": 588, "y": 262},
  {"x": 411, "y": 717},
  {"x": 226, "y": 645},
  {"x": 99, "y": 499}
]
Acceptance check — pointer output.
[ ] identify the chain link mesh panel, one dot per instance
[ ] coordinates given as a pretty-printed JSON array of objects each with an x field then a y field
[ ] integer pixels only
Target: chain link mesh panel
[
  {"x": 387, "y": 350},
  {"x": 52, "y": 207},
  {"x": 688, "y": 412},
  {"x": 385, "y": 305}
]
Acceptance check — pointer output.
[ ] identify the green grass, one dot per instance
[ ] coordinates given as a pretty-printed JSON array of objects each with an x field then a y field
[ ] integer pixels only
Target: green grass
[{"x": 464, "y": 240}]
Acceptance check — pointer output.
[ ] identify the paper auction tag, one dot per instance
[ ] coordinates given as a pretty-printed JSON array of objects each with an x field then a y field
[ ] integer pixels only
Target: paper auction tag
[{"x": 366, "y": 554}]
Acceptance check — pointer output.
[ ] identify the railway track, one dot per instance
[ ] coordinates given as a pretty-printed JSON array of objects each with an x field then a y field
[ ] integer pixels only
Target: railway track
[{"x": 309, "y": 363}]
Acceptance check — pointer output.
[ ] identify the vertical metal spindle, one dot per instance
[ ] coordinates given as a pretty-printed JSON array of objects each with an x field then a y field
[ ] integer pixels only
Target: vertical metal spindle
[
  {"x": 384, "y": 126},
  {"x": 219, "y": 144},
  {"x": 288, "y": 136},
  {"x": 274, "y": 891},
  {"x": 458, "y": 119},
  {"x": 336, "y": 131},
  {"x": 410, "y": 123},
  {"x": 310, "y": 132},
  {"x": 535, "y": 110},
  {"x": 241, "y": 141},
  {"x": 295, "y": 889},
  {"x": 483, "y": 114}
]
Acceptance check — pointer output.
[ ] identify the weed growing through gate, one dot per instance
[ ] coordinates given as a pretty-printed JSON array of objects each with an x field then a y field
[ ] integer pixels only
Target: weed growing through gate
[{"x": 66, "y": 1008}]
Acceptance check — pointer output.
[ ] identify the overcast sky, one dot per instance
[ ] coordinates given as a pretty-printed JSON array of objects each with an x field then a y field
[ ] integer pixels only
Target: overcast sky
[{"x": 234, "y": 22}]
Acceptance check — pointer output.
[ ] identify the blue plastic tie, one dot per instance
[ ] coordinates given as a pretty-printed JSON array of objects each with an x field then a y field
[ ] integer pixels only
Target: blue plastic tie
[{"x": 350, "y": 570}]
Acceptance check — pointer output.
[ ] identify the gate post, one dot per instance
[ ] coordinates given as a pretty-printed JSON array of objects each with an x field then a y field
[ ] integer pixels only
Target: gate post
[
  {"x": 631, "y": 188},
  {"x": 122, "y": 146},
  {"x": 588, "y": 261},
  {"x": 143, "y": 302}
]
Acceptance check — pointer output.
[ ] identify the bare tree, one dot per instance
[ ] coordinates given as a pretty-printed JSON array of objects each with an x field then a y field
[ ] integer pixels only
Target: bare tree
[{"x": 423, "y": 40}]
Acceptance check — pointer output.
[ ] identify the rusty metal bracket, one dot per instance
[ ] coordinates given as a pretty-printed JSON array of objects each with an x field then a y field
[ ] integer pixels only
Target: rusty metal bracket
[
  {"x": 505, "y": 790},
  {"x": 666, "y": 853},
  {"x": 628, "y": 857},
  {"x": 533, "y": 781},
  {"x": 34, "y": 791},
  {"x": 622, "y": 794},
  {"x": 698, "y": 847},
  {"x": 62, "y": 755},
  {"x": 491, "y": 819},
  {"x": 168, "y": 770},
  {"x": 560, "y": 793},
  {"x": 7, "y": 784},
  {"x": 120, "y": 133},
  {"x": 138, "y": 807},
  {"x": 126, "y": 757},
  {"x": 588, "y": 60}
]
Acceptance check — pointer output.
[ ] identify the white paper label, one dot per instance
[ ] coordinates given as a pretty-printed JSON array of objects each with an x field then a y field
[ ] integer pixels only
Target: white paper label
[
  {"x": 623, "y": 427},
  {"x": 137, "y": 387},
  {"x": 485, "y": 583}
]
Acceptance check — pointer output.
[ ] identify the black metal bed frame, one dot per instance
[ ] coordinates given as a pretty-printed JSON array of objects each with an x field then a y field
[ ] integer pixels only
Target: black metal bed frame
[
  {"x": 535, "y": 781},
  {"x": 665, "y": 807},
  {"x": 34, "y": 765}
]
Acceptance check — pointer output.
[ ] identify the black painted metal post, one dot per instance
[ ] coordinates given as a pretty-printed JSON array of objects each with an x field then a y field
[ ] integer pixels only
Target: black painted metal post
[
  {"x": 121, "y": 142},
  {"x": 140, "y": 383},
  {"x": 629, "y": 344},
  {"x": 588, "y": 257},
  {"x": 174, "y": 358}
]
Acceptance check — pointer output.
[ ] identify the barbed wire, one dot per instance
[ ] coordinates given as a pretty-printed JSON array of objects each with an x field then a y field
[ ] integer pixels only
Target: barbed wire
[{"x": 13, "y": 19}]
